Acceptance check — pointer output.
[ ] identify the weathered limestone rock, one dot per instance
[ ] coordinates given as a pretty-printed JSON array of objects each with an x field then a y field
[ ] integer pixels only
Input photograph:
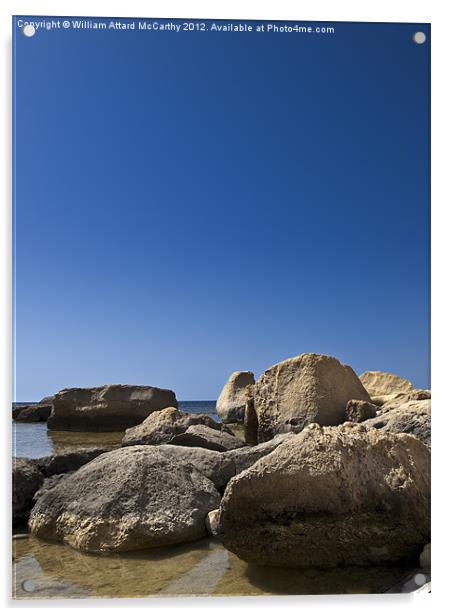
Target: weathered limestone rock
[
  {"x": 127, "y": 499},
  {"x": 360, "y": 410},
  {"x": 331, "y": 497},
  {"x": 203, "y": 436},
  {"x": 305, "y": 389},
  {"x": 68, "y": 461},
  {"x": 397, "y": 400},
  {"x": 251, "y": 422},
  {"x": 231, "y": 402},
  {"x": 26, "y": 481},
  {"x": 212, "y": 464},
  {"x": 245, "y": 457},
  {"x": 412, "y": 417},
  {"x": 161, "y": 426},
  {"x": 108, "y": 408},
  {"x": 212, "y": 522},
  {"x": 384, "y": 383},
  {"x": 33, "y": 413}
]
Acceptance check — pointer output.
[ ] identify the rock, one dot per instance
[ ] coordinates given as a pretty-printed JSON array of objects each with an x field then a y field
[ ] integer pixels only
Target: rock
[
  {"x": 397, "y": 400},
  {"x": 424, "y": 558},
  {"x": 109, "y": 408},
  {"x": 412, "y": 417},
  {"x": 331, "y": 497},
  {"x": 360, "y": 410},
  {"x": 26, "y": 481},
  {"x": 231, "y": 402},
  {"x": 245, "y": 457},
  {"x": 127, "y": 499},
  {"x": 384, "y": 383},
  {"x": 212, "y": 522},
  {"x": 33, "y": 413},
  {"x": 251, "y": 422},
  {"x": 212, "y": 464},
  {"x": 49, "y": 484},
  {"x": 68, "y": 461},
  {"x": 302, "y": 390},
  {"x": 203, "y": 436},
  {"x": 161, "y": 426}
]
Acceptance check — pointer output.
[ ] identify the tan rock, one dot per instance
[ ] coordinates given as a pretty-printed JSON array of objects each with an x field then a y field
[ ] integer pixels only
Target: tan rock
[
  {"x": 232, "y": 399},
  {"x": 302, "y": 390},
  {"x": 331, "y": 497},
  {"x": 162, "y": 426},
  {"x": 384, "y": 383},
  {"x": 360, "y": 410}
]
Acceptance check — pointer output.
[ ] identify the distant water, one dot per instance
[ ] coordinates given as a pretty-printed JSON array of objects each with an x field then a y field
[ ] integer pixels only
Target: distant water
[{"x": 33, "y": 440}]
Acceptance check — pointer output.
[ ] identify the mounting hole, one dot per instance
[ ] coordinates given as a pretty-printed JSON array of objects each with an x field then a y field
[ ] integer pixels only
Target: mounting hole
[
  {"x": 28, "y": 30},
  {"x": 420, "y": 579},
  {"x": 419, "y": 38},
  {"x": 28, "y": 585}
]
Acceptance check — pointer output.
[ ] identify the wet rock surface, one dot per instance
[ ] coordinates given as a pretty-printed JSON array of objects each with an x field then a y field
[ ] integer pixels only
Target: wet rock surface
[
  {"x": 26, "y": 481},
  {"x": 331, "y": 496}
]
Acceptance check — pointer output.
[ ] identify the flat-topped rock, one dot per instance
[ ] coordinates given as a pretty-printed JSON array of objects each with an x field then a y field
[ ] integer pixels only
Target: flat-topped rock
[
  {"x": 232, "y": 399},
  {"x": 203, "y": 436},
  {"x": 33, "y": 413},
  {"x": 331, "y": 497},
  {"x": 108, "y": 408},
  {"x": 131, "y": 498},
  {"x": 162, "y": 426},
  {"x": 306, "y": 389}
]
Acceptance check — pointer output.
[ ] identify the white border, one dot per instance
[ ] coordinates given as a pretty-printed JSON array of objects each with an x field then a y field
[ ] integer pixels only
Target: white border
[{"x": 329, "y": 10}]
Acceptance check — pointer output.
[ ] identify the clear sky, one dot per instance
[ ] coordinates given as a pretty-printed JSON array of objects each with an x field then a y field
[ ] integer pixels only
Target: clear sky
[{"x": 189, "y": 204}]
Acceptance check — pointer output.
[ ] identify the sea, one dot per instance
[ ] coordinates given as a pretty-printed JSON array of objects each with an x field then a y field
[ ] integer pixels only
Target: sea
[{"x": 33, "y": 440}]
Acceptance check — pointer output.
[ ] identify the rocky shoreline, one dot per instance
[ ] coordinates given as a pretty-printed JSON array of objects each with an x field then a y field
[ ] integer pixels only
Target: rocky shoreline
[{"x": 334, "y": 469}]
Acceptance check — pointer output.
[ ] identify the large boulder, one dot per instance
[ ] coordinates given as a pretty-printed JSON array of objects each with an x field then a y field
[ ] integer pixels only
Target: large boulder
[
  {"x": 162, "y": 426},
  {"x": 305, "y": 389},
  {"x": 412, "y": 417},
  {"x": 26, "y": 481},
  {"x": 384, "y": 386},
  {"x": 329, "y": 497},
  {"x": 232, "y": 400},
  {"x": 203, "y": 436},
  {"x": 127, "y": 499},
  {"x": 109, "y": 408}
]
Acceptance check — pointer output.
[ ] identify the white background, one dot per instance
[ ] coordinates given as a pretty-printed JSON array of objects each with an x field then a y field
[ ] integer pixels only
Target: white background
[{"x": 329, "y": 10}]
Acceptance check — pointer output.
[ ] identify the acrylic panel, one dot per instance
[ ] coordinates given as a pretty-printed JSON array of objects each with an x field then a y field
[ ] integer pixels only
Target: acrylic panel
[{"x": 221, "y": 307}]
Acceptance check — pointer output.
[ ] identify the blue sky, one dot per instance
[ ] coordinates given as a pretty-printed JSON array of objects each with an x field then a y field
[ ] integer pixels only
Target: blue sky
[{"x": 190, "y": 204}]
